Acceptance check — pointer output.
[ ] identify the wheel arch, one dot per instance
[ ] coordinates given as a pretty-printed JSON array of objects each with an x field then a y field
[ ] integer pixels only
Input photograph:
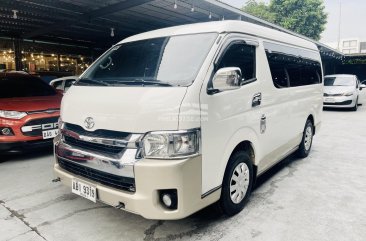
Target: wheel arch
[{"x": 248, "y": 144}]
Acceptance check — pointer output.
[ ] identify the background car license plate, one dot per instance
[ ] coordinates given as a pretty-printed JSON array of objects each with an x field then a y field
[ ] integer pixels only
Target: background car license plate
[
  {"x": 50, "y": 134},
  {"x": 85, "y": 190},
  {"x": 329, "y": 100}
]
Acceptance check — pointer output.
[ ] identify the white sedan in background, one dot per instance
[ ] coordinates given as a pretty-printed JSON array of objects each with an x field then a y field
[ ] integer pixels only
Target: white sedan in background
[
  {"x": 342, "y": 91},
  {"x": 64, "y": 83}
]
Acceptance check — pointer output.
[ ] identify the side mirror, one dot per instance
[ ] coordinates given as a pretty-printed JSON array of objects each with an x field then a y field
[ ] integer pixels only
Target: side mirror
[
  {"x": 226, "y": 79},
  {"x": 362, "y": 86}
]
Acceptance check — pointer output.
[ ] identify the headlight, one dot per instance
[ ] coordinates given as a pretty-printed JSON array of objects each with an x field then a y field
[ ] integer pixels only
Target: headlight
[
  {"x": 168, "y": 145},
  {"x": 12, "y": 114},
  {"x": 348, "y": 93}
]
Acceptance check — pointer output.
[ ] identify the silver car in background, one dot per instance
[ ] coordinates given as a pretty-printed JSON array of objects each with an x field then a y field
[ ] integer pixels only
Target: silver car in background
[{"x": 342, "y": 91}]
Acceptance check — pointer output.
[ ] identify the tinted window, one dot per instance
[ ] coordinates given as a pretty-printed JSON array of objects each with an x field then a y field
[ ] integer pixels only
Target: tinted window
[
  {"x": 292, "y": 69},
  {"x": 13, "y": 86},
  {"x": 242, "y": 56},
  {"x": 175, "y": 60},
  {"x": 339, "y": 81},
  {"x": 279, "y": 72}
]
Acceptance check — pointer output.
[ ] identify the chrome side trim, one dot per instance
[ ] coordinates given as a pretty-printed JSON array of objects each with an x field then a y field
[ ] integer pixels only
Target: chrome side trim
[{"x": 210, "y": 191}]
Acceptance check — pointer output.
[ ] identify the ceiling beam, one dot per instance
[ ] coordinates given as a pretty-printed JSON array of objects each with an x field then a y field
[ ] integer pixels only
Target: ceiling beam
[{"x": 87, "y": 17}]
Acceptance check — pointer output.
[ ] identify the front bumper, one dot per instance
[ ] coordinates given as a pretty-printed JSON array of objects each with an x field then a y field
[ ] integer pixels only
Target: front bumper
[
  {"x": 339, "y": 102},
  {"x": 19, "y": 140},
  {"x": 150, "y": 177}
]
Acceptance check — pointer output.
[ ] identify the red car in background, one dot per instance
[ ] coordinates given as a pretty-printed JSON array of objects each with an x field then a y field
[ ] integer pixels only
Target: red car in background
[{"x": 29, "y": 112}]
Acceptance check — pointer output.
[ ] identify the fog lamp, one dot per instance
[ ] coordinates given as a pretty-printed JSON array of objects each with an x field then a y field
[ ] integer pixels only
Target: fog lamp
[
  {"x": 169, "y": 198},
  {"x": 6, "y": 131}
]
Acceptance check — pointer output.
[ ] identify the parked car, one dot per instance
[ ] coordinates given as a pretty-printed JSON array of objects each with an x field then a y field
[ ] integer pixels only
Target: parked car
[
  {"x": 63, "y": 83},
  {"x": 29, "y": 112},
  {"x": 168, "y": 122},
  {"x": 342, "y": 91}
]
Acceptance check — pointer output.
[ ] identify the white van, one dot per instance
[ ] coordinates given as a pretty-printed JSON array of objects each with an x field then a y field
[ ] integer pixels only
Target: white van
[{"x": 170, "y": 121}]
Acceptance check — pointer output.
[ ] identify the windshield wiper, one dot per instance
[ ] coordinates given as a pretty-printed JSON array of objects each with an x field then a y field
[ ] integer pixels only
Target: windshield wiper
[
  {"x": 98, "y": 82},
  {"x": 144, "y": 82}
]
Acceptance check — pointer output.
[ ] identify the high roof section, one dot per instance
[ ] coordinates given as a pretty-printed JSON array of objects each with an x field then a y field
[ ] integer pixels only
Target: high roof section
[
  {"x": 222, "y": 27},
  {"x": 90, "y": 23}
]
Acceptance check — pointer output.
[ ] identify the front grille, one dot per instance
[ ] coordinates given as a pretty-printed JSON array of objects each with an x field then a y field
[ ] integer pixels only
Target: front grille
[
  {"x": 97, "y": 133},
  {"x": 118, "y": 182},
  {"x": 325, "y": 94},
  {"x": 106, "y": 149},
  {"x": 36, "y": 126},
  {"x": 347, "y": 102}
]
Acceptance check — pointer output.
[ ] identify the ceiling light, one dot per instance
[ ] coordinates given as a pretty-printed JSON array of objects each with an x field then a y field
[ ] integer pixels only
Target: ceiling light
[
  {"x": 192, "y": 8},
  {"x": 175, "y": 5},
  {"x": 210, "y": 16},
  {"x": 112, "y": 32},
  {"x": 15, "y": 16}
]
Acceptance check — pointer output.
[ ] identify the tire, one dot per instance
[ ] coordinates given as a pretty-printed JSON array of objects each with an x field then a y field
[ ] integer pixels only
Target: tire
[
  {"x": 306, "y": 141},
  {"x": 239, "y": 167},
  {"x": 354, "y": 108}
]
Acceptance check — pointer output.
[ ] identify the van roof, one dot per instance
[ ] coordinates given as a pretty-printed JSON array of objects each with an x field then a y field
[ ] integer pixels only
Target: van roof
[{"x": 225, "y": 26}]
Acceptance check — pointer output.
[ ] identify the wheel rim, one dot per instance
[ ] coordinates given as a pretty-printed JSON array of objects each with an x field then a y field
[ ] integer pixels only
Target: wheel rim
[
  {"x": 308, "y": 137},
  {"x": 239, "y": 183}
]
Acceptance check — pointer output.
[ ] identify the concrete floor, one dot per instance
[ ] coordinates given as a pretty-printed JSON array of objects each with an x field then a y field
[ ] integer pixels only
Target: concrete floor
[{"x": 322, "y": 197}]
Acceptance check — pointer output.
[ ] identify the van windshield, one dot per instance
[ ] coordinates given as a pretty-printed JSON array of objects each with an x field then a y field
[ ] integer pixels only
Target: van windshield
[
  {"x": 339, "y": 81},
  {"x": 166, "y": 61}
]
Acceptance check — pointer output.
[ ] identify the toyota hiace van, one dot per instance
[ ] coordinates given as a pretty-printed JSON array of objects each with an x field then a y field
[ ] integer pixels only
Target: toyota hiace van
[{"x": 170, "y": 121}]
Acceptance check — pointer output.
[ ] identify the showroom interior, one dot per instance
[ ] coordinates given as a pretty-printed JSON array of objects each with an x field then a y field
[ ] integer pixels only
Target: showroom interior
[{"x": 56, "y": 39}]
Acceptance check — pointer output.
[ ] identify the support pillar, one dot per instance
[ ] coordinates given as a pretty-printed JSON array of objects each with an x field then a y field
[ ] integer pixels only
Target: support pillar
[{"x": 17, "y": 53}]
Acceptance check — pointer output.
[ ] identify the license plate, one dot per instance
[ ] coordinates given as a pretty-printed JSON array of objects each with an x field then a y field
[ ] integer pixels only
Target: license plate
[
  {"x": 85, "y": 190},
  {"x": 50, "y": 134},
  {"x": 329, "y": 100}
]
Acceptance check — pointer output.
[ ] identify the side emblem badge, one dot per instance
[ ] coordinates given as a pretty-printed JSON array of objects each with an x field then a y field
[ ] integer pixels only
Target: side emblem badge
[{"x": 263, "y": 125}]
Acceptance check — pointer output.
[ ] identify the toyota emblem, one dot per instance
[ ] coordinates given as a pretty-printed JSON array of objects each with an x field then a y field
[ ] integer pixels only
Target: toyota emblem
[{"x": 89, "y": 122}]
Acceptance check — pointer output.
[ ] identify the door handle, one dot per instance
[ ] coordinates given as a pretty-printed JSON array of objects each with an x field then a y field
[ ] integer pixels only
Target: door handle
[{"x": 257, "y": 100}]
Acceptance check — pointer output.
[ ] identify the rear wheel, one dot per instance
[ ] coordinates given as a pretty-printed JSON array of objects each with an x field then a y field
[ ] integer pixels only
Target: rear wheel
[
  {"x": 354, "y": 108},
  {"x": 307, "y": 140},
  {"x": 237, "y": 184}
]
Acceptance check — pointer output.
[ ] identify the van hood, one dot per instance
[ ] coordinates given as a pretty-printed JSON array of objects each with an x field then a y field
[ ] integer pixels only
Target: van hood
[
  {"x": 28, "y": 104},
  {"x": 338, "y": 89},
  {"x": 125, "y": 109}
]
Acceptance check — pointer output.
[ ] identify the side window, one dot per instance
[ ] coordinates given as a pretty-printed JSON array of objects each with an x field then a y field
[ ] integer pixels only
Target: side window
[
  {"x": 292, "y": 67},
  {"x": 278, "y": 69},
  {"x": 242, "y": 56},
  {"x": 304, "y": 72}
]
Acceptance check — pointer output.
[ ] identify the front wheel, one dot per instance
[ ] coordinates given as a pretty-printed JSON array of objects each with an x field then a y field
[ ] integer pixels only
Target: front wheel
[
  {"x": 237, "y": 184},
  {"x": 307, "y": 140}
]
